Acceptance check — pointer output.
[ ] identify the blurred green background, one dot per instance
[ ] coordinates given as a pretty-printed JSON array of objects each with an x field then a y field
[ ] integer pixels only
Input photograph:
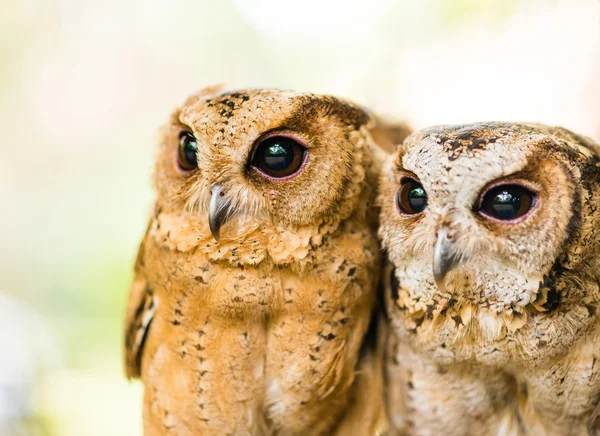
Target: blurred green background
[{"x": 84, "y": 86}]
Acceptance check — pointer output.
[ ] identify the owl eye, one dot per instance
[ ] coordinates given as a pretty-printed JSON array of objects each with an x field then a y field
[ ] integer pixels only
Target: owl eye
[
  {"x": 187, "y": 153},
  {"x": 411, "y": 197},
  {"x": 507, "y": 202},
  {"x": 278, "y": 157}
]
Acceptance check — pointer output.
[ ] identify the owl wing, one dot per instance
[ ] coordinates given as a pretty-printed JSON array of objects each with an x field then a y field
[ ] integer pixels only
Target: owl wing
[
  {"x": 595, "y": 422},
  {"x": 141, "y": 308},
  {"x": 366, "y": 414},
  {"x": 394, "y": 390}
]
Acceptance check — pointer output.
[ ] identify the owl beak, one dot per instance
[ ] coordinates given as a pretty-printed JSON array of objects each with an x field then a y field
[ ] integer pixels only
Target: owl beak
[
  {"x": 218, "y": 211},
  {"x": 444, "y": 258}
]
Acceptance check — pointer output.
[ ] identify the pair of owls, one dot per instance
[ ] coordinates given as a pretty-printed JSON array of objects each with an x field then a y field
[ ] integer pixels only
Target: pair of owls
[{"x": 254, "y": 308}]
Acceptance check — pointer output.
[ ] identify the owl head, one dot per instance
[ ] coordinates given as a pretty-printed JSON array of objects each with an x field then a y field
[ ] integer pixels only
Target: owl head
[
  {"x": 249, "y": 174},
  {"x": 494, "y": 233}
]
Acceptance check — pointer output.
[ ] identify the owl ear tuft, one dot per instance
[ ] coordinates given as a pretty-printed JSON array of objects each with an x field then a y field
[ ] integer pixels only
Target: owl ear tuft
[
  {"x": 390, "y": 134},
  {"x": 211, "y": 90},
  {"x": 208, "y": 92}
]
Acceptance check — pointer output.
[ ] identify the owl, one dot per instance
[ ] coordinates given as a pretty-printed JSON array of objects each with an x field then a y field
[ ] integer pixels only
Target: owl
[
  {"x": 257, "y": 276},
  {"x": 492, "y": 231}
]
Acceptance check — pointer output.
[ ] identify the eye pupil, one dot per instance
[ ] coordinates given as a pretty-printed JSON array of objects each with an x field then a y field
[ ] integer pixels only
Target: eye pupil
[
  {"x": 417, "y": 199},
  {"x": 411, "y": 198},
  {"x": 507, "y": 202},
  {"x": 506, "y": 205},
  {"x": 278, "y": 157},
  {"x": 188, "y": 150}
]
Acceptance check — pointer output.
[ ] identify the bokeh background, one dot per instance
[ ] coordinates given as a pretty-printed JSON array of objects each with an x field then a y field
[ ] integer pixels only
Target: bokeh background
[{"x": 85, "y": 84}]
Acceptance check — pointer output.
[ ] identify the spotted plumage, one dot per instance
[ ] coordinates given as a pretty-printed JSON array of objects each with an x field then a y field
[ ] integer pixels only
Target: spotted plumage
[
  {"x": 255, "y": 283},
  {"x": 493, "y": 235}
]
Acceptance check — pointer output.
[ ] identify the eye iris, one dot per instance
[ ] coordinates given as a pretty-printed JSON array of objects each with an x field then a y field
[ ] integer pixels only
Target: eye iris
[
  {"x": 188, "y": 149},
  {"x": 278, "y": 156},
  {"x": 411, "y": 198},
  {"x": 506, "y": 204}
]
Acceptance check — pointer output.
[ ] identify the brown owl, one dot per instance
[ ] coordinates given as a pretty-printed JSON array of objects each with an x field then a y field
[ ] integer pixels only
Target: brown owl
[
  {"x": 493, "y": 233},
  {"x": 255, "y": 281}
]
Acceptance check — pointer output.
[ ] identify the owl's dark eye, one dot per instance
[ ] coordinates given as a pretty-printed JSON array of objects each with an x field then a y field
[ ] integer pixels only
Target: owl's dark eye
[
  {"x": 411, "y": 197},
  {"x": 278, "y": 157},
  {"x": 188, "y": 149},
  {"x": 507, "y": 202}
]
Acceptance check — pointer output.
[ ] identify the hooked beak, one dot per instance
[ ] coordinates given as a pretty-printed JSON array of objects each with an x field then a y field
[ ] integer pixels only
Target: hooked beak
[
  {"x": 218, "y": 211},
  {"x": 444, "y": 258}
]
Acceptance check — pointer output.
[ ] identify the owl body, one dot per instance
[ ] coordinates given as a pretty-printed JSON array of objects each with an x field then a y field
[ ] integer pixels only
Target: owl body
[
  {"x": 253, "y": 290},
  {"x": 494, "y": 289}
]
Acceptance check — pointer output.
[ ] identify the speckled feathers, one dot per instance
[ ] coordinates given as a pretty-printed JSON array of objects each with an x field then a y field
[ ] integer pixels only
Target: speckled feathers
[
  {"x": 525, "y": 294},
  {"x": 260, "y": 332}
]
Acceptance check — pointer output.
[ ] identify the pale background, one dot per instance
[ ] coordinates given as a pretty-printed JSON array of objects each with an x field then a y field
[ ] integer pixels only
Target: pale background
[{"x": 85, "y": 84}]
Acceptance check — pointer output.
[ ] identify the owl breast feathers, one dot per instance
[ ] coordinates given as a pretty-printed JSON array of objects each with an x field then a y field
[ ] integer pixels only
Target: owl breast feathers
[
  {"x": 256, "y": 279},
  {"x": 493, "y": 233}
]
